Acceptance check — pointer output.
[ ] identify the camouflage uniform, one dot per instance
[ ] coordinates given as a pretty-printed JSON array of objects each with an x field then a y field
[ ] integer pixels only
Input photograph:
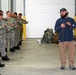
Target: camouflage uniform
[
  {"x": 2, "y": 38},
  {"x": 18, "y": 35},
  {"x": 17, "y": 32},
  {"x": 10, "y": 34}
]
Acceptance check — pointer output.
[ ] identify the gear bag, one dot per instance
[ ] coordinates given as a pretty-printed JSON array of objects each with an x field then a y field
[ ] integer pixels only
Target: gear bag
[{"x": 48, "y": 36}]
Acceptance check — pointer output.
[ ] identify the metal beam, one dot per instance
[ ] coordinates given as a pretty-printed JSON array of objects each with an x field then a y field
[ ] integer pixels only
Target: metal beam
[
  {"x": 0, "y": 4},
  {"x": 13, "y": 5},
  {"x": 75, "y": 7},
  {"x": 24, "y": 7}
]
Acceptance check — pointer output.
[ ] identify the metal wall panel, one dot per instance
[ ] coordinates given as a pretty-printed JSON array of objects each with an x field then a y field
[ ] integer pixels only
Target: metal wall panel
[
  {"x": 75, "y": 7},
  {"x": 0, "y": 4}
]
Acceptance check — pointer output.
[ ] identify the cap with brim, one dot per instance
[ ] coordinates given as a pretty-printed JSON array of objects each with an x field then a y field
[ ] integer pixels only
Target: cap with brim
[{"x": 63, "y": 9}]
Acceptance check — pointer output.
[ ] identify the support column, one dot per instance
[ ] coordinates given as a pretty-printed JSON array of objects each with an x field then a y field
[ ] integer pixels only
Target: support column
[
  {"x": 24, "y": 25},
  {"x": 0, "y": 4},
  {"x": 13, "y": 5}
]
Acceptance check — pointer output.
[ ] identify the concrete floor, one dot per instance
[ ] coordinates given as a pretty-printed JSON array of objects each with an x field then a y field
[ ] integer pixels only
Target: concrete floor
[{"x": 35, "y": 59}]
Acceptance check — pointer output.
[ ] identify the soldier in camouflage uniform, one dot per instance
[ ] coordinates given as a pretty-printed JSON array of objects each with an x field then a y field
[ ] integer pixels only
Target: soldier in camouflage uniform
[
  {"x": 21, "y": 29},
  {"x": 21, "y": 26},
  {"x": 10, "y": 32},
  {"x": 17, "y": 31},
  {"x": 1, "y": 65},
  {"x": 3, "y": 29}
]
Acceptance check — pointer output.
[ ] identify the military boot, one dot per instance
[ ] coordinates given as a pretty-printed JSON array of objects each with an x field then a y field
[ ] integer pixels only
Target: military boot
[
  {"x": 2, "y": 65},
  {"x": 20, "y": 43},
  {"x": 6, "y": 49},
  {"x": 5, "y": 58},
  {"x": 12, "y": 50}
]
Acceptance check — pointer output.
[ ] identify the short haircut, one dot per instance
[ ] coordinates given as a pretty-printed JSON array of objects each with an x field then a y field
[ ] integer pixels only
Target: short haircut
[
  {"x": 15, "y": 13},
  {"x": 20, "y": 14},
  {"x": 7, "y": 12},
  {"x": 1, "y": 11}
]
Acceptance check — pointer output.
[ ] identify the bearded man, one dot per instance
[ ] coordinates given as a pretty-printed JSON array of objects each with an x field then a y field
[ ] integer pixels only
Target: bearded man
[{"x": 64, "y": 26}]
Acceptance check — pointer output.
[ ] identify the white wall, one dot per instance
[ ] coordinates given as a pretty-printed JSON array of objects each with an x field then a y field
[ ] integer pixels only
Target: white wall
[
  {"x": 4, "y": 6},
  {"x": 43, "y": 14},
  {"x": 19, "y": 6}
]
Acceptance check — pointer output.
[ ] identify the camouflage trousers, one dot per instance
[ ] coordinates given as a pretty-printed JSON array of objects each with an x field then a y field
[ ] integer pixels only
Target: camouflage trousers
[
  {"x": 10, "y": 40},
  {"x": 21, "y": 32},
  {"x": 2, "y": 45},
  {"x": 16, "y": 37}
]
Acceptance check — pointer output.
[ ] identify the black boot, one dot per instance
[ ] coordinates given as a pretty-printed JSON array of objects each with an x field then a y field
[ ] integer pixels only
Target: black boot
[
  {"x": 2, "y": 65},
  {"x": 6, "y": 49},
  {"x": 12, "y": 50},
  {"x": 0, "y": 54},
  {"x": 14, "y": 47},
  {"x": 5, "y": 58},
  {"x": 20, "y": 43},
  {"x": 21, "y": 40}
]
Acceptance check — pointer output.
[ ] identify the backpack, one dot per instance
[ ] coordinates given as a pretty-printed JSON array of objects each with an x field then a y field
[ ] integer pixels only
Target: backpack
[{"x": 48, "y": 36}]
